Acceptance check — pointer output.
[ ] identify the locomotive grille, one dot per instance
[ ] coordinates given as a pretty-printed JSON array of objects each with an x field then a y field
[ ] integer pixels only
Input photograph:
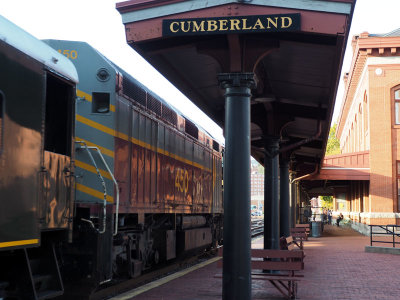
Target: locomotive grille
[
  {"x": 134, "y": 91},
  {"x": 169, "y": 115},
  {"x": 153, "y": 104},
  {"x": 191, "y": 129},
  {"x": 138, "y": 94}
]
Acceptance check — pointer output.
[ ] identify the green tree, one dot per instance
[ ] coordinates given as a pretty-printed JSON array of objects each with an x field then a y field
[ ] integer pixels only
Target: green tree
[
  {"x": 327, "y": 201},
  {"x": 333, "y": 146}
]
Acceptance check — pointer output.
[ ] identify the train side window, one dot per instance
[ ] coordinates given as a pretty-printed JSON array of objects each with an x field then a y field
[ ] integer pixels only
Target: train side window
[
  {"x": 1, "y": 120},
  {"x": 100, "y": 103}
]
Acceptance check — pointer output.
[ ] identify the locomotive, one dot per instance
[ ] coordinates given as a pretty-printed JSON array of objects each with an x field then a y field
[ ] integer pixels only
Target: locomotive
[{"x": 99, "y": 179}]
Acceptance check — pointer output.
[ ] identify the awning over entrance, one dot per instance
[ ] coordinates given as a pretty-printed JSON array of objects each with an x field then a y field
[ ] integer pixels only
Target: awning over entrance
[
  {"x": 337, "y": 173},
  {"x": 350, "y": 166},
  {"x": 295, "y": 48}
]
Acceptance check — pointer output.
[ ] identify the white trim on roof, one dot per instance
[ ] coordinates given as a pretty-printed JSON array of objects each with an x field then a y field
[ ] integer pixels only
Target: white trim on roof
[
  {"x": 191, "y": 5},
  {"x": 18, "y": 38},
  {"x": 387, "y": 60}
]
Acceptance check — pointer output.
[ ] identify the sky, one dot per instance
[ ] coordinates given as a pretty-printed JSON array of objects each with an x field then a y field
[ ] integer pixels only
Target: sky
[{"x": 98, "y": 23}]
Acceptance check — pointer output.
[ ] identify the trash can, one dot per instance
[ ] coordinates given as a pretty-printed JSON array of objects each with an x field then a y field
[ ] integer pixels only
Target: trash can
[{"x": 315, "y": 228}]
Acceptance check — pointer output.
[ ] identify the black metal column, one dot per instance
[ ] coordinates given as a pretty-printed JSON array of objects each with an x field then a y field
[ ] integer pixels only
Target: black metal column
[
  {"x": 292, "y": 200},
  {"x": 271, "y": 201},
  {"x": 237, "y": 235},
  {"x": 284, "y": 205}
]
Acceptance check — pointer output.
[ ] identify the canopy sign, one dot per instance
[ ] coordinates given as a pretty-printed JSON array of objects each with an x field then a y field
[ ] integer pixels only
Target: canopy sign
[{"x": 224, "y": 25}]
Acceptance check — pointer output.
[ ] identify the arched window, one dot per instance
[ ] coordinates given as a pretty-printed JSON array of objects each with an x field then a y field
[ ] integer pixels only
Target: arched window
[
  {"x": 353, "y": 142},
  {"x": 361, "y": 127},
  {"x": 398, "y": 185},
  {"x": 365, "y": 112},
  {"x": 397, "y": 107},
  {"x": 356, "y": 137}
]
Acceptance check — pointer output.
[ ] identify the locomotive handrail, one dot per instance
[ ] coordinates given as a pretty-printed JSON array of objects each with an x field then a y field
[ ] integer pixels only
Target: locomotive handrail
[
  {"x": 114, "y": 180},
  {"x": 116, "y": 187},
  {"x": 86, "y": 147}
]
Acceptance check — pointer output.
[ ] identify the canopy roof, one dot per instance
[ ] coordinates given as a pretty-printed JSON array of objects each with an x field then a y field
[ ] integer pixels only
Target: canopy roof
[{"x": 297, "y": 70}]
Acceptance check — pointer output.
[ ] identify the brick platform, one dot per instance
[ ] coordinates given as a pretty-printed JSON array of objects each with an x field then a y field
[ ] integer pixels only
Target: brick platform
[{"x": 336, "y": 267}]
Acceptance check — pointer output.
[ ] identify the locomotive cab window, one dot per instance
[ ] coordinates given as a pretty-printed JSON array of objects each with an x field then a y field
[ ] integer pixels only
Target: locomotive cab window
[
  {"x": 59, "y": 113},
  {"x": 100, "y": 103}
]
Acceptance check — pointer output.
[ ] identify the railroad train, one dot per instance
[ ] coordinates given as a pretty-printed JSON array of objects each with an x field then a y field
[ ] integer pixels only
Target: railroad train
[{"x": 99, "y": 177}]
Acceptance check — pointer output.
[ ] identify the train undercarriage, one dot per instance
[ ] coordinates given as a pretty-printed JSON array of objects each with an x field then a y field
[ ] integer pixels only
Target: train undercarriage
[{"x": 94, "y": 260}]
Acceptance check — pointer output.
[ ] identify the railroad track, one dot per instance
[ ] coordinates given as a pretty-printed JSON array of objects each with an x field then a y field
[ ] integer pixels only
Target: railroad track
[
  {"x": 257, "y": 228},
  {"x": 117, "y": 288}
]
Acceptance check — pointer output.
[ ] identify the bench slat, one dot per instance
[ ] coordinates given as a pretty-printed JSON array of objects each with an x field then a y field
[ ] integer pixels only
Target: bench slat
[
  {"x": 277, "y": 265},
  {"x": 273, "y": 265},
  {"x": 269, "y": 253},
  {"x": 289, "y": 274},
  {"x": 303, "y": 225},
  {"x": 257, "y": 276},
  {"x": 299, "y": 235},
  {"x": 267, "y": 277},
  {"x": 302, "y": 230}
]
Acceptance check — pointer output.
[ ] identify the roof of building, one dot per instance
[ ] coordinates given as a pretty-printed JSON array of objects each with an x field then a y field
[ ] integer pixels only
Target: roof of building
[
  {"x": 395, "y": 32},
  {"x": 365, "y": 45}
]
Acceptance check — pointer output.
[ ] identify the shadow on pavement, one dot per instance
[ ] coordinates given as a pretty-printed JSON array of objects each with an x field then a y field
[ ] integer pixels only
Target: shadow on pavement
[{"x": 333, "y": 230}]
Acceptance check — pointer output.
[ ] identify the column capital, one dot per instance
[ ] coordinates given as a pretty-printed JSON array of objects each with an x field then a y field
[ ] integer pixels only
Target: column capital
[
  {"x": 228, "y": 80},
  {"x": 271, "y": 146}
]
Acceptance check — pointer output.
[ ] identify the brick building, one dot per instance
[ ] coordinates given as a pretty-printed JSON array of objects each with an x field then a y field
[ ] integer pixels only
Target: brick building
[
  {"x": 257, "y": 182},
  {"x": 366, "y": 175},
  {"x": 257, "y": 185}
]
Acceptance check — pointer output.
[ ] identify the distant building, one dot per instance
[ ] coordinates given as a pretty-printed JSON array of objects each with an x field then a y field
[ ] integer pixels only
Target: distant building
[
  {"x": 257, "y": 182},
  {"x": 257, "y": 185}
]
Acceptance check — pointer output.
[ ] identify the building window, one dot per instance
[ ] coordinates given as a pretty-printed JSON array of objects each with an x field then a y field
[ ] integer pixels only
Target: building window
[
  {"x": 365, "y": 112},
  {"x": 397, "y": 107},
  {"x": 398, "y": 185}
]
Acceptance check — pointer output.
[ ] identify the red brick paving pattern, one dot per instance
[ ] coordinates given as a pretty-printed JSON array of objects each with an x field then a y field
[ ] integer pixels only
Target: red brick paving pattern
[{"x": 336, "y": 267}]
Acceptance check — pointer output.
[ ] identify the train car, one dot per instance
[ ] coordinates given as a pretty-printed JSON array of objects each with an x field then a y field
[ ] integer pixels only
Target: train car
[
  {"x": 37, "y": 95},
  {"x": 148, "y": 180}
]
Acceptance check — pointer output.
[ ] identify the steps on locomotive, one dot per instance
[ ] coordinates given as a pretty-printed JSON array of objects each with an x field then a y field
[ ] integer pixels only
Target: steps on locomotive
[
  {"x": 45, "y": 273},
  {"x": 3, "y": 286}
]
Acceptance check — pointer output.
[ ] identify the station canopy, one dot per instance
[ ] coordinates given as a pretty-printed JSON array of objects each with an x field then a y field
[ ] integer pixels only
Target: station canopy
[{"x": 295, "y": 48}]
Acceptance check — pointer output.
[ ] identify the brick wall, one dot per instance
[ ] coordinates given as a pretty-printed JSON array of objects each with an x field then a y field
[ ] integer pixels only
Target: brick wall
[{"x": 383, "y": 136}]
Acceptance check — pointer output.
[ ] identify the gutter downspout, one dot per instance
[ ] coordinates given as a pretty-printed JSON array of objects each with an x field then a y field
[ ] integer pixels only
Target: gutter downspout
[{"x": 307, "y": 175}]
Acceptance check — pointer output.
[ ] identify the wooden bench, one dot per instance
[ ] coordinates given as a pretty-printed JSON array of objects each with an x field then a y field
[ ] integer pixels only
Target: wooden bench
[
  {"x": 289, "y": 243},
  {"x": 280, "y": 267},
  {"x": 306, "y": 226},
  {"x": 299, "y": 234}
]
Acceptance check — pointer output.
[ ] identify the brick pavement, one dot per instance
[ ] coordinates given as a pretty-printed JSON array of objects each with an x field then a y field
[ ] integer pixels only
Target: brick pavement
[{"x": 336, "y": 267}]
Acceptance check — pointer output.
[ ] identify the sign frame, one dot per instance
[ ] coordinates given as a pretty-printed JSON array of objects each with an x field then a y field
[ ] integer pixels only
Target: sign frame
[{"x": 231, "y": 25}]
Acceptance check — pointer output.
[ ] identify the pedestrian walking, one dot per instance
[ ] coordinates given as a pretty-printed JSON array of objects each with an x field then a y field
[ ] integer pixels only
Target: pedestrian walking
[{"x": 340, "y": 218}]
